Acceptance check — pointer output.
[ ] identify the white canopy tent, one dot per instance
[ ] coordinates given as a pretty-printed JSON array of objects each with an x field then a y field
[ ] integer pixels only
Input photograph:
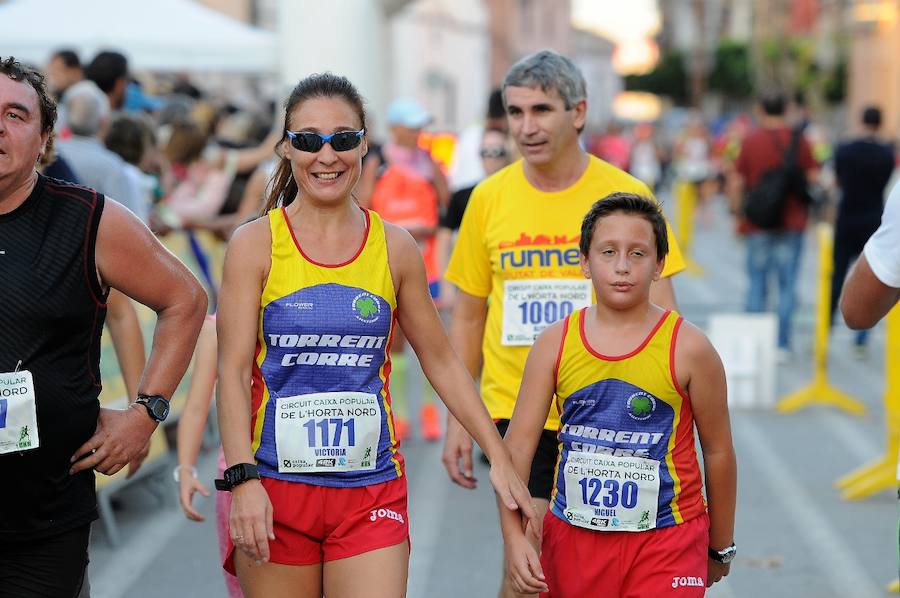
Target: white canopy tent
[{"x": 157, "y": 35}]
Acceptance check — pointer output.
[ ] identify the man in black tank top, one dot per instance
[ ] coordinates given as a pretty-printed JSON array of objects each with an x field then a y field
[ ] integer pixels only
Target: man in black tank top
[{"x": 62, "y": 247}]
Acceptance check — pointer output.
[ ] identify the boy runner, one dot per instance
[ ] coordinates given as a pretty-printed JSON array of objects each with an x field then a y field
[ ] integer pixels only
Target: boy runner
[
  {"x": 516, "y": 258},
  {"x": 630, "y": 380}
]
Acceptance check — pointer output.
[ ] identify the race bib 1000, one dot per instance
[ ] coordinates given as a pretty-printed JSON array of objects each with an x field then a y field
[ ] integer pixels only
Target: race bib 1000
[
  {"x": 529, "y": 306},
  {"x": 18, "y": 415},
  {"x": 608, "y": 493},
  {"x": 327, "y": 432}
]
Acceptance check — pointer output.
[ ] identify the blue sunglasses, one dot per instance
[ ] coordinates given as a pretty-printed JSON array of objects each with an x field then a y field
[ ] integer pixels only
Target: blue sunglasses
[{"x": 313, "y": 142}]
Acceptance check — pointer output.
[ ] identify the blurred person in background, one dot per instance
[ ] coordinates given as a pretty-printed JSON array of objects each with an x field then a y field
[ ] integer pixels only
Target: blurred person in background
[
  {"x": 613, "y": 146},
  {"x": 645, "y": 161},
  {"x": 109, "y": 71},
  {"x": 466, "y": 169},
  {"x": 406, "y": 118},
  {"x": 863, "y": 167},
  {"x": 191, "y": 429},
  {"x": 777, "y": 251},
  {"x": 88, "y": 114},
  {"x": 63, "y": 71},
  {"x": 203, "y": 174},
  {"x": 495, "y": 153},
  {"x": 408, "y": 188},
  {"x": 129, "y": 137},
  {"x": 692, "y": 156}
]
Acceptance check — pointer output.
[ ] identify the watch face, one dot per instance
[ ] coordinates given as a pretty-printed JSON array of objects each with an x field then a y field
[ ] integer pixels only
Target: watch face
[{"x": 160, "y": 408}]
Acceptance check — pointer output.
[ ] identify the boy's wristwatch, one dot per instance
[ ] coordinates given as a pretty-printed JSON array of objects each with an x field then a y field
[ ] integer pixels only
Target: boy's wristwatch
[{"x": 724, "y": 556}]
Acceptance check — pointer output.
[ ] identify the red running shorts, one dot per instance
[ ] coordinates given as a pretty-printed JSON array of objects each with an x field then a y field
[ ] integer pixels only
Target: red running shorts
[
  {"x": 314, "y": 524},
  {"x": 664, "y": 563}
]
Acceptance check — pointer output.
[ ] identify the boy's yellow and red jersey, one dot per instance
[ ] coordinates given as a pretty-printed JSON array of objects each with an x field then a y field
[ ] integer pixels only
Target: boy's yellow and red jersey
[
  {"x": 627, "y": 458},
  {"x": 518, "y": 248},
  {"x": 321, "y": 407}
]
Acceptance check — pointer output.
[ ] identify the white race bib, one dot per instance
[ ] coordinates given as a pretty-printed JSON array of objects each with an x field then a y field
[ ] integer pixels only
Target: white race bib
[
  {"x": 609, "y": 493},
  {"x": 18, "y": 416},
  {"x": 529, "y": 306},
  {"x": 327, "y": 432}
]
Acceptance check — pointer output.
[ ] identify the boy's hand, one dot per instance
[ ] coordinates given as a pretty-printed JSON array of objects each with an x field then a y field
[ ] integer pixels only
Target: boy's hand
[
  {"x": 523, "y": 566},
  {"x": 715, "y": 571}
]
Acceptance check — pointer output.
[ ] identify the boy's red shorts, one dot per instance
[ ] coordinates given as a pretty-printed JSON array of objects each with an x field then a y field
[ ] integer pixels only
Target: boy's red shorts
[
  {"x": 314, "y": 524},
  {"x": 663, "y": 563}
]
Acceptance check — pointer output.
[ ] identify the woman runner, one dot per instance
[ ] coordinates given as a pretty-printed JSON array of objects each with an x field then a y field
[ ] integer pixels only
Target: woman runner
[{"x": 310, "y": 296}]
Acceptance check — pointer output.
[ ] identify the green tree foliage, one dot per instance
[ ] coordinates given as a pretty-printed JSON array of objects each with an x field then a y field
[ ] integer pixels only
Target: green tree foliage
[
  {"x": 836, "y": 84},
  {"x": 668, "y": 78},
  {"x": 732, "y": 73}
]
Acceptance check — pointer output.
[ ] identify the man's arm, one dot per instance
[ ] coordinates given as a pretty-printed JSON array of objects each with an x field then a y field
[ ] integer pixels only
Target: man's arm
[
  {"x": 129, "y": 258},
  {"x": 466, "y": 335},
  {"x": 865, "y": 299},
  {"x": 873, "y": 286}
]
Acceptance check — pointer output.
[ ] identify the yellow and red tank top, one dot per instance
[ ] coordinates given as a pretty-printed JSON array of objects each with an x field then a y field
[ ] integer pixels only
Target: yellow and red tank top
[
  {"x": 627, "y": 460},
  {"x": 321, "y": 404}
]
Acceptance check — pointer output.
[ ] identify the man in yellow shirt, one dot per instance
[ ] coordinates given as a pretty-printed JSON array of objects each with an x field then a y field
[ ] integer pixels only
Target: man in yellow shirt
[{"x": 516, "y": 258}]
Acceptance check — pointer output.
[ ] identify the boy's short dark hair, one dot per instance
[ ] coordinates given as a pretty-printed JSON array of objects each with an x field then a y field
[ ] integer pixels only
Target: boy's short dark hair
[{"x": 628, "y": 203}]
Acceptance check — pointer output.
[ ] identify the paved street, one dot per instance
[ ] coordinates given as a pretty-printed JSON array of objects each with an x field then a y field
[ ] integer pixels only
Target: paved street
[{"x": 796, "y": 537}]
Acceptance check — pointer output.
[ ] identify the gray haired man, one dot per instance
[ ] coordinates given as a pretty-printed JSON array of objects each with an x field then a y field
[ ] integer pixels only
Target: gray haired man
[
  {"x": 516, "y": 258},
  {"x": 87, "y": 116}
]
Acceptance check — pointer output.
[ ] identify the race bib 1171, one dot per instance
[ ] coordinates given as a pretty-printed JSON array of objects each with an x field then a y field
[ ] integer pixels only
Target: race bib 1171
[{"x": 327, "y": 432}]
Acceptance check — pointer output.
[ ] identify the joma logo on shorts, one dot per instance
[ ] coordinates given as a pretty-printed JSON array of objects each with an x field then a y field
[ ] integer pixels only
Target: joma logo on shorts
[
  {"x": 377, "y": 514},
  {"x": 688, "y": 582}
]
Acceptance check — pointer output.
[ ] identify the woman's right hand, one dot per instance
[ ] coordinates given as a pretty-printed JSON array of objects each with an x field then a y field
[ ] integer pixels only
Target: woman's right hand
[
  {"x": 187, "y": 485},
  {"x": 251, "y": 520}
]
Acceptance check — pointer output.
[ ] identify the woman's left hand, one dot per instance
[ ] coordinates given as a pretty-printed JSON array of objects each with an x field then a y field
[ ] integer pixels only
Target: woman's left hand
[{"x": 512, "y": 491}]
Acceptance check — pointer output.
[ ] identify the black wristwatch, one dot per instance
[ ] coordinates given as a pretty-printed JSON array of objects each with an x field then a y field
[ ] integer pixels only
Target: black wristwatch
[
  {"x": 237, "y": 475},
  {"x": 724, "y": 556},
  {"x": 157, "y": 406}
]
